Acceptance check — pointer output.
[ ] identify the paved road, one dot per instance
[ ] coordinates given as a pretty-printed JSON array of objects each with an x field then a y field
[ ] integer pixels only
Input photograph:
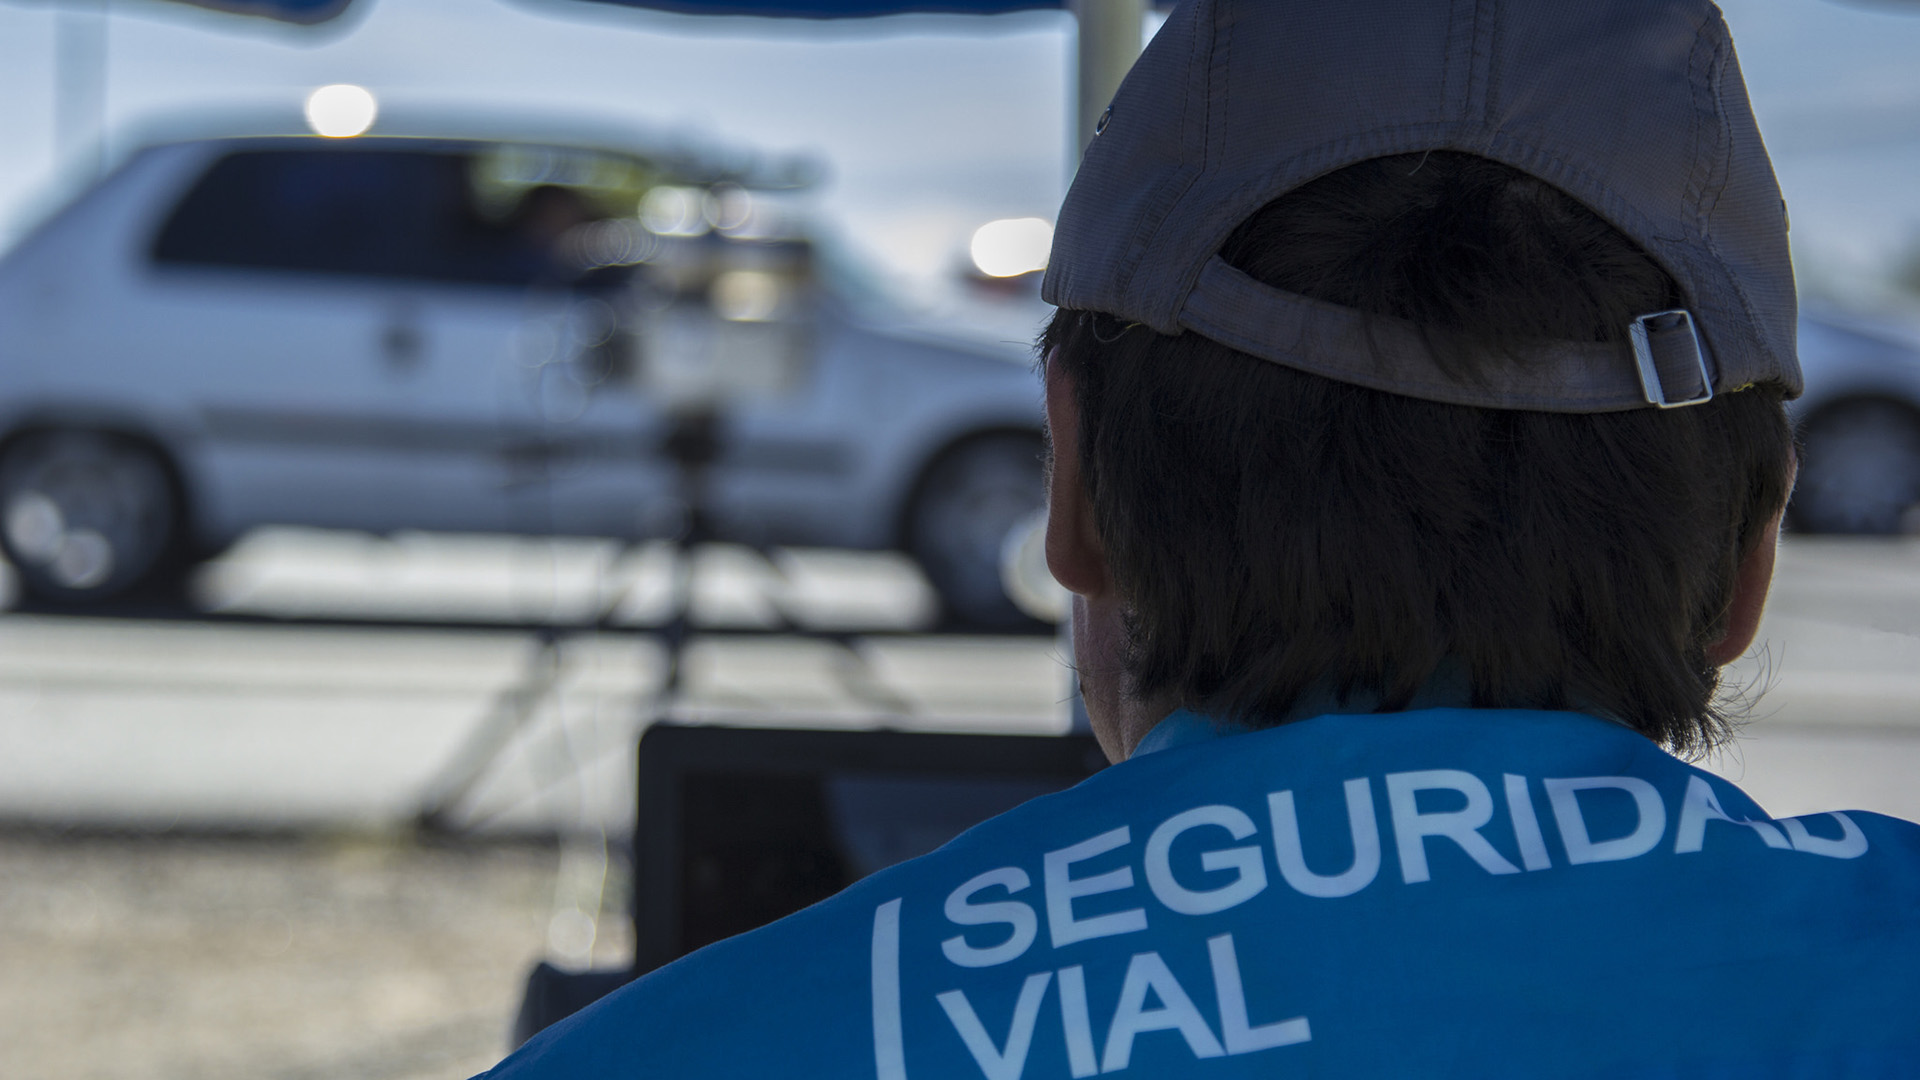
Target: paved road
[
  {"x": 297, "y": 723},
  {"x": 1836, "y": 722},
  {"x": 271, "y": 724}
]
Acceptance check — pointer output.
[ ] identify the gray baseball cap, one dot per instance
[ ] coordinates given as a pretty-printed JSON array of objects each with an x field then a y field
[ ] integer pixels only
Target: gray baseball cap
[{"x": 1634, "y": 107}]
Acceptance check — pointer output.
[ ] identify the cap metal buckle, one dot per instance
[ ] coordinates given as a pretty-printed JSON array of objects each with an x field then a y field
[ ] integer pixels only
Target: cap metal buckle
[{"x": 1641, "y": 330}]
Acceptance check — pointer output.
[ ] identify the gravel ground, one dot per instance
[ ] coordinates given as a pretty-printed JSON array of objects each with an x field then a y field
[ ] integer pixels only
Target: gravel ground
[{"x": 161, "y": 957}]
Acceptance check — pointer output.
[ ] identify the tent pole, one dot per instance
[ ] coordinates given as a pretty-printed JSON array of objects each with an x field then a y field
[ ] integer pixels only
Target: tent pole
[
  {"x": 80, "y": 86},
  {"x": 1111, "y": 34},
  {"x": 1109, "y": 42}
]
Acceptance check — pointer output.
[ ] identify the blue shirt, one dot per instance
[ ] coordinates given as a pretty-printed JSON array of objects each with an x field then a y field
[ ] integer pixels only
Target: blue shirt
[{"x": 1446, "y": 892}]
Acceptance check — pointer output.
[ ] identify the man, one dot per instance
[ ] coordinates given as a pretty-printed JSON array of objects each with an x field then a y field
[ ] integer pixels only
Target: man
[{"x": 1418, "y": 461}]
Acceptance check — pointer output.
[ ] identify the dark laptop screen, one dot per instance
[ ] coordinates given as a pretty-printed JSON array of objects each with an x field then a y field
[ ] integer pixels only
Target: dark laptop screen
[{"x": 741, "y": 826}]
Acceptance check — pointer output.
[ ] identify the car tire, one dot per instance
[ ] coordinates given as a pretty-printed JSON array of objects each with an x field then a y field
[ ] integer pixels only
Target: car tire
[
  {"x": 86, "y": 516},
  {"x": 1859, "y": 470},
  {"x": 966, "y": 506}
]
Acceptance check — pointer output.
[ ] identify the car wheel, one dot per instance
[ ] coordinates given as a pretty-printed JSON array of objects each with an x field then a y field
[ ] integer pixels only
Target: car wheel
[
  {"x": 85, "y": 516},
  {"x": 1860, "y": 472},
  {"x": 967, "y": 505}
]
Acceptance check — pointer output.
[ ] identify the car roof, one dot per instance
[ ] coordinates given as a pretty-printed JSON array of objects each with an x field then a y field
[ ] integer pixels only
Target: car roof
[
  {"x": 679, "y": 158},
  {"x": 1865, "y": 328}
]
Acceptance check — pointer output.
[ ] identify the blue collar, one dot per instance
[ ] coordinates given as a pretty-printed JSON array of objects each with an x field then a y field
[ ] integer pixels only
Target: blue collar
[
  {"x": 1446, "y": 689},
  {"x": 1181, "y": 728}
]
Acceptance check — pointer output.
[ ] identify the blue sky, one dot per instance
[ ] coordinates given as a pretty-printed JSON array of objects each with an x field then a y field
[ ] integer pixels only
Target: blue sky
[{"x": 929, "y": 125}]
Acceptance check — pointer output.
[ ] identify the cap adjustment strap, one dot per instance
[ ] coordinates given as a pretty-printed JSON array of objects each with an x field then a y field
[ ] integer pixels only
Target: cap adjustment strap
[
  {"x": 1666, "y": 347},
  {"x": 1663, "y": 364}
]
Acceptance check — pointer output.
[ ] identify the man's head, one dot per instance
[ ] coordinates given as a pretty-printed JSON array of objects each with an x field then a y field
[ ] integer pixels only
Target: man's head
[{"x": 1397, "y": 435}]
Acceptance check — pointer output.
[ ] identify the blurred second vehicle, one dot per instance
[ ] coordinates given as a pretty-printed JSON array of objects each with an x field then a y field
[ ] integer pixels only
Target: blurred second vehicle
[{"x": 478, "y": 334}]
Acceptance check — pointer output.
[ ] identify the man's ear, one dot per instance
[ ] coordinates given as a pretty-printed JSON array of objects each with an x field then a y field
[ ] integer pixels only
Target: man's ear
[
  {"x": 1075, "y": 554},
  {"x": 1750, "y": 583}
]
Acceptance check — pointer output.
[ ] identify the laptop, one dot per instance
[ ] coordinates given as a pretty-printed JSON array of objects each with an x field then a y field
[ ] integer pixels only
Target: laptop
[{"x": 738, "y": 826}]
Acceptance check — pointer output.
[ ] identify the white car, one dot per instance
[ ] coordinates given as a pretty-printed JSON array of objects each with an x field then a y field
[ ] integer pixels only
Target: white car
[
  {"x": 473, "y": 335},
  {"x": 1860, "y": 428}
]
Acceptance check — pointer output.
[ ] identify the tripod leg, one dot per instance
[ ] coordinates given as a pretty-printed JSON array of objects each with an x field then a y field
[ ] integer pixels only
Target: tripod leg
[{"x": 512, "y": 710}]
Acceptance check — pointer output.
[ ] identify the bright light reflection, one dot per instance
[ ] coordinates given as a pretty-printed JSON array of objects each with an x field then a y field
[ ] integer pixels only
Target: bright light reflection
[
  {"x": 341, "y": 111},
  {"x": 1012, "y": 246},
  {"x": 675, "y": 211},
  {"x": 746, "y": 295}
]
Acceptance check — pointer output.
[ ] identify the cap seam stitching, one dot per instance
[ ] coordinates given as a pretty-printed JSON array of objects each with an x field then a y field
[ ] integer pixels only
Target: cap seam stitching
[
  {"x": 1215, "y": 62},
  {"x": 1707, "y": 235},
  {"x": 1468, "y": 114},
  {"x": 1485, "y": 44},
  {"x": 1698, "y": 80},
  {"x": 1192, "y": 176},
  {"x": 1720, "y": 171}
]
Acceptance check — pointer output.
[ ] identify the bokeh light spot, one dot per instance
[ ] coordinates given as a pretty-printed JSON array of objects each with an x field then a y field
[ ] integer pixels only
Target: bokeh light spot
[
  {"x": 1012, "y": 246},
  {"x": 341, "y": 111},
  {"x": 746, "y": 295}
]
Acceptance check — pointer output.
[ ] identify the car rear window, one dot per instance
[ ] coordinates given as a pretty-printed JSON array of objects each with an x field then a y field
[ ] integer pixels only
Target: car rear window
[{"x": 362, "y": 211}]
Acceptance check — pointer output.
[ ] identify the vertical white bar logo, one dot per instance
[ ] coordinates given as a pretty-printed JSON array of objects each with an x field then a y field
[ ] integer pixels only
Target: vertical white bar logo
[{"x": 889, "y": 1049}]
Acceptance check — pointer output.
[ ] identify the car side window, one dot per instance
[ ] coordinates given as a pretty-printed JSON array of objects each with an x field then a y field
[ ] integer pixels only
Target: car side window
[{"x": 360, "y": 211}]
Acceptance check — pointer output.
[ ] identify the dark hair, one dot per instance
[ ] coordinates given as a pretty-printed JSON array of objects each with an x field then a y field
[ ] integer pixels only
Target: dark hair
[{"x": 1274, "y": 532}]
